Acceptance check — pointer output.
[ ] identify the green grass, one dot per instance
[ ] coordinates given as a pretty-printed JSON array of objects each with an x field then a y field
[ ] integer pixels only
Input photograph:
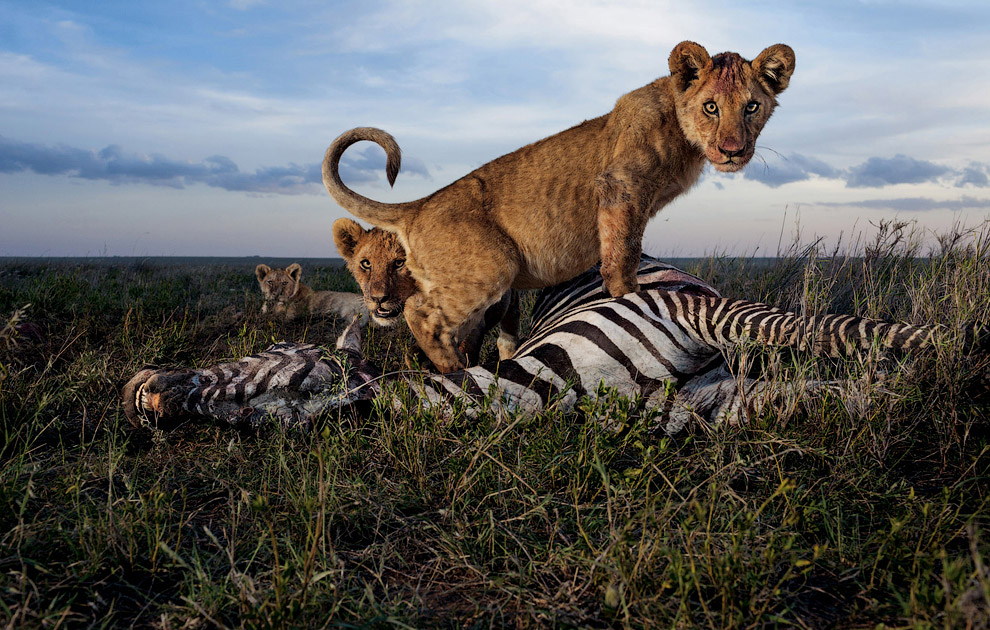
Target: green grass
[{"x": 843, "y": 513}]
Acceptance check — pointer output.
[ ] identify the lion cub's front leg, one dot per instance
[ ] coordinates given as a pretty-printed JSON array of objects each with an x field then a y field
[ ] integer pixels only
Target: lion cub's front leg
[
  {"x": 436, "y": 335},
  {"x": 622, "y": 217}
]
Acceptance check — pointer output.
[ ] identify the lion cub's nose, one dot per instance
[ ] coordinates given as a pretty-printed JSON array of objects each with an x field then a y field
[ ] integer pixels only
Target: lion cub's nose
[{"x": 731, "y": 147}]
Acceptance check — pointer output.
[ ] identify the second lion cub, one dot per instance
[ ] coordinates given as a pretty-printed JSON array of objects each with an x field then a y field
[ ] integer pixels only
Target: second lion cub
[
  {"x": 377, "y": 261},
  {"x": 286, "y": 295}
]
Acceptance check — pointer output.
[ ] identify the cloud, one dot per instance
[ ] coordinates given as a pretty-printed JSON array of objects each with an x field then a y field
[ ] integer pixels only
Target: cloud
[
  {"x": 365, "y": 164},
  {"x": 975, "y": 175},
  {"x": 793, "y": 168},
  {"x": 900, "y": 169},
  {"x": 876, "y": 172},
  {"x": 286, "y": 180},
  {"x": 114, "y": 165},
  {"x": 914, "y": 204}
]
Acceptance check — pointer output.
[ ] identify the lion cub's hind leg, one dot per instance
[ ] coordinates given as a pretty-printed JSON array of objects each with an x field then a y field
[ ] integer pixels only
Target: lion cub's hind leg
[
  {"x": 464, "y": 263},
  {"x": 508, "y": 326},
  {"x": 505, "y": 314}
]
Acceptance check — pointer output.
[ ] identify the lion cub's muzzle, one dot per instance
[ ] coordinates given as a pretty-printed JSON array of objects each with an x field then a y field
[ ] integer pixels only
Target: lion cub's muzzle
[
  {"x": 729, "y": 155},
  {"x": 384, "y": 310},
  {"x": 730, "y": 164}
]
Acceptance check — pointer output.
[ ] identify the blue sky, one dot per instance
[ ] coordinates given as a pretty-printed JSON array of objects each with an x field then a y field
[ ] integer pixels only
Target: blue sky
[{"x": 197, "y": 128}]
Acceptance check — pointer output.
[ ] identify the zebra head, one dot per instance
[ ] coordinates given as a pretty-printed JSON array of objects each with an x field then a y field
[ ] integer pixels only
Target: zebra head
[{"x": 291, "y": 382}]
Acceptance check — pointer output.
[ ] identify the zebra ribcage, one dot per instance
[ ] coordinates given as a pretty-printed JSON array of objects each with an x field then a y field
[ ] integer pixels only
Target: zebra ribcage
[
  {"x": 652, "y": 274},
  {"x": 630, "y": 344}
]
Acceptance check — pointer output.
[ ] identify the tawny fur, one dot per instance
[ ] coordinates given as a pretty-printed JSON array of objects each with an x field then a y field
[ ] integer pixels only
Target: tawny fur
[
  {"x": 546, "y": 212},
  {"x": 377, "y": 261},
  {"x": 286, "y": 295}
]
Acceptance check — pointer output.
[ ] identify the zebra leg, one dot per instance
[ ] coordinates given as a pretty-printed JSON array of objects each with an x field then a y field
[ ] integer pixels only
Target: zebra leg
[{"x": 726, "y": 323}]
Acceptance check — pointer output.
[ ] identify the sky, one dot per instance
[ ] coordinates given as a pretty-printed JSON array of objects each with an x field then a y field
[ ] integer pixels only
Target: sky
[{"x": 197, "y": 128}]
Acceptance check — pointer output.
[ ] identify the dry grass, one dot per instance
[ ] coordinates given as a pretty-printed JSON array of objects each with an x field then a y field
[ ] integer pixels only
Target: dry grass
[{"x": 847, "y": 512}]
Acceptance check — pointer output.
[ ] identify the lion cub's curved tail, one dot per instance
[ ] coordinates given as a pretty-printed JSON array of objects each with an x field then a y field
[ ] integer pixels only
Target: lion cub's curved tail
[{"x": 384, "y": 215}]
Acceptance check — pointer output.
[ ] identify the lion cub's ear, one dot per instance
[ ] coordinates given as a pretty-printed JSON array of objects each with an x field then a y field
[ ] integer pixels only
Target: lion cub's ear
[
  {"x": 347, "y": 234},
  {"x": 261, "y": 271},
  {"x": 686, "y": 62},
  {"x": 295, "y": 271},
  {"x": 774, "y": 67}
]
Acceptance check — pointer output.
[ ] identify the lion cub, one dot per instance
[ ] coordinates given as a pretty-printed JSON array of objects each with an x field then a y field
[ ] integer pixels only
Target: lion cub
[
  {"x": 377, "y": 261},
  {"x": 548, "y": 211},
  {"x": 286, "y": 295}
]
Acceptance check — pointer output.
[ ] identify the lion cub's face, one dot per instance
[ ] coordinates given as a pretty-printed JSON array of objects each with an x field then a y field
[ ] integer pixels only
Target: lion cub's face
[
  {"x": 377, "y": 261},
  {"x": 724, "y": 101},
  {"x": 278, "y": 286}
]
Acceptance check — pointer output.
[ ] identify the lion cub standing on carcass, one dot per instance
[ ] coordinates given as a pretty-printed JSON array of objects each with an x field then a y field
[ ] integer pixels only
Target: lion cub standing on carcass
[
  {"x": 286, "y": 295},
  {"x": 548, "y": 211},
  {"x": 377, "y": 261}
]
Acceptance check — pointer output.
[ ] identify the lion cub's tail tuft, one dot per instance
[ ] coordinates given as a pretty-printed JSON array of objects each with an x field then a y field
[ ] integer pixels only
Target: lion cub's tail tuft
[{"x": 385, "y": 215}]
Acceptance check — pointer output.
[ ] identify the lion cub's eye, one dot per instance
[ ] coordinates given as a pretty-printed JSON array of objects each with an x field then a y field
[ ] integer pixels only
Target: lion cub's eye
[
  {"x": 366, "y": 264},
  {"x": 399, "y": 263},
  {"x": 710, "y": 108},
  {"x": 752, "y": 107},
  {"x": 271, "y": 283}
]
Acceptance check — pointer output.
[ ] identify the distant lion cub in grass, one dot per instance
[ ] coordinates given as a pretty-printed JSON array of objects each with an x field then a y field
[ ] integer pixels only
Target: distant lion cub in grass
[
  {"x": 546, "y": 212},
  {"x": 286, "y": 295}
]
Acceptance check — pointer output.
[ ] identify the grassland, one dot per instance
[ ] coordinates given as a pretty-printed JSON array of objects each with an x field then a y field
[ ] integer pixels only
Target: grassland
[{"x": 862, "y": 513}]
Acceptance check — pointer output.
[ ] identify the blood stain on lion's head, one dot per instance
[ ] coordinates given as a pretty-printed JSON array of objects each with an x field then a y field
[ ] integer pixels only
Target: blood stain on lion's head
[{"x": 724, "y": 101}]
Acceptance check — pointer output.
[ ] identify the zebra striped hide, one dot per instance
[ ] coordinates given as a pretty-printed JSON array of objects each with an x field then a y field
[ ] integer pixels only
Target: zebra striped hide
[{"x": 665, "y": 344}]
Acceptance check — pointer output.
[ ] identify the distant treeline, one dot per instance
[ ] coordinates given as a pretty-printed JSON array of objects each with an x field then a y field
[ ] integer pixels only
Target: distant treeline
[{"x": 246, "y": 262}]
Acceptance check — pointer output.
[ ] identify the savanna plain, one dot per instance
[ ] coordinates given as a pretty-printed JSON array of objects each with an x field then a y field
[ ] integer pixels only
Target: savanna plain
[{"x": 863, "y": 509}]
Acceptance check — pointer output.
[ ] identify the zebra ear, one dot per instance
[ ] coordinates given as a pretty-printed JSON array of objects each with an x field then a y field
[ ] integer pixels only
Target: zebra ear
[{"x": 350, "y": 339}]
